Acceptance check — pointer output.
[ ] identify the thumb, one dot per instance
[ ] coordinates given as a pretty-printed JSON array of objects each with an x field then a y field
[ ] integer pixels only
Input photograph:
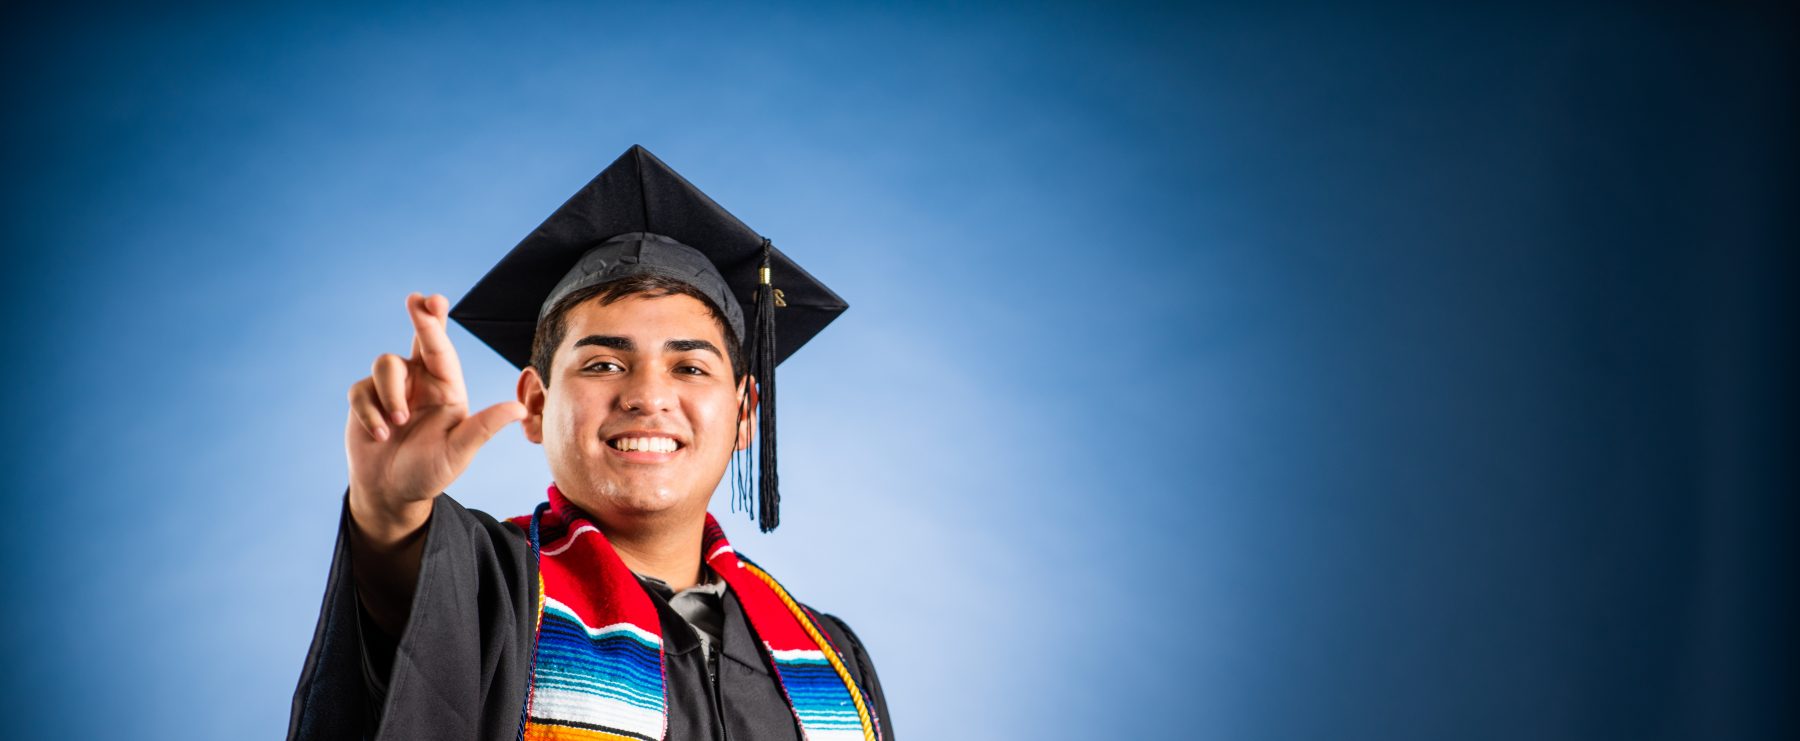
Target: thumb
[{"x": 478, "y": 428}]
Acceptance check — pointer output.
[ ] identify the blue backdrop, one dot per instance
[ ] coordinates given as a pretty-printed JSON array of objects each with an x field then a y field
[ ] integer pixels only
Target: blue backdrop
[{"x": 1271, "y": 373}]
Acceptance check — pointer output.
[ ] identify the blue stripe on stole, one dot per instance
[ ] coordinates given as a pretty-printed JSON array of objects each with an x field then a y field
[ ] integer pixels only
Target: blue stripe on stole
[
  {"x": 625, "y": 652},
  {"x": 815, "y": 715},
  {"x": 813, "y": 680},
  {"x": 820, "y": 697},
  {"x": 612, "y": 654},
  {"x": 847, "y": 714},
  {"x": 622, "y": 691},
  {"x": 818, "y": 694},
  {"x": 618, "y": 666},
  {"x": 830, "y": 723},
  {"x": 600, "y": 694},
  {"x": 574, "y": 623}
]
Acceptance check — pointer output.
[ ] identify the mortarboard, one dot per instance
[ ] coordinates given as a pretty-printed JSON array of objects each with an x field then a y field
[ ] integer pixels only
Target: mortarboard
[{"x": 639, "y": 216}]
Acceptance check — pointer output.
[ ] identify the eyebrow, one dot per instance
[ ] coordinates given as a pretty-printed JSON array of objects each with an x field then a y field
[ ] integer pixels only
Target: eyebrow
[
  {"x": 686, "y": 345},
  {"x": 624, "y": 344}
]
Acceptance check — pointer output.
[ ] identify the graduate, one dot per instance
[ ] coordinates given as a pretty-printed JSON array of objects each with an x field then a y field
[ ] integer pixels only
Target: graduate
[{"x": 647, "y": 323}]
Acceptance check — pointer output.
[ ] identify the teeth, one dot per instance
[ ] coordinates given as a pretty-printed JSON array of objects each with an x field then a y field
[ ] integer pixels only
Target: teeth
[{"x": 646, "y": 444}]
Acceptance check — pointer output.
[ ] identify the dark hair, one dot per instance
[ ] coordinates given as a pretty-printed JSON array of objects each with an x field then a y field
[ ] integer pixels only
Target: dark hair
[{"x": 554, "y": 326}]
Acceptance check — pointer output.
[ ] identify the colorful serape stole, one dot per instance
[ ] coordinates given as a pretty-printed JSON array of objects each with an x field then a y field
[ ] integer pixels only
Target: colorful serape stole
[{"x": 597, "y": 671}]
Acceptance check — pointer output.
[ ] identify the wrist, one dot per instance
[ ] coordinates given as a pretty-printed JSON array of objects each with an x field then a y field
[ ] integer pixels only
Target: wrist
[{"x": 385, "y": 523}]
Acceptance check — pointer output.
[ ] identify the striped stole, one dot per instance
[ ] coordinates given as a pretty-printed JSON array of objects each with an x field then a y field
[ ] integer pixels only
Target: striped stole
[{"x": 597, "y": 670}]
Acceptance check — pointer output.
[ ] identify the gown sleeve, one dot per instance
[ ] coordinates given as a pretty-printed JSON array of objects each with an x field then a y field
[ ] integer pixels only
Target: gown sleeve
[
  {"x": 458, "y": 669},
  {"x": 863, "y": 668}
]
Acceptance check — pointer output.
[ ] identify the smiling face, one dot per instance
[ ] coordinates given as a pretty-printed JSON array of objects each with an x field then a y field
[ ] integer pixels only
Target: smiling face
[{"x": 640, "y": 412}]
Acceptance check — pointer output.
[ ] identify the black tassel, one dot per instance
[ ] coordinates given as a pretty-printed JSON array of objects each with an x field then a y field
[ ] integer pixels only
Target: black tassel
[{"x": 763, "y": 367}]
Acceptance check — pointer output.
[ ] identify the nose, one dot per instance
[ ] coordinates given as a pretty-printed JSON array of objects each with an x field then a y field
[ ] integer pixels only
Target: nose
[{"x": 646, "y": 393}]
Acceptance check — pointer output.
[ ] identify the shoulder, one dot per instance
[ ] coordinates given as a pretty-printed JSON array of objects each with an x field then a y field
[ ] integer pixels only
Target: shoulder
[
  {"x": 833, "y": 624},
  {"x": 456, "y": 533},
  {"x": 848, "y": 644},
  {"x": 447, "y": 512},
  {"x": 856, "y": 655}
]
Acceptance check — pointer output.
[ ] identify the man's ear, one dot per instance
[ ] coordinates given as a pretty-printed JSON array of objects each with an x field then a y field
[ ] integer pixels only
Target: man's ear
[
  {"x": 746, "y": 430},
  {"x": 532, "y": 394}
]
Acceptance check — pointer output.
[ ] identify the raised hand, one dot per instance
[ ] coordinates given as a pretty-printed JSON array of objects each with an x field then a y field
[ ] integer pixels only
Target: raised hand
[{"x": 410, "y": 433}]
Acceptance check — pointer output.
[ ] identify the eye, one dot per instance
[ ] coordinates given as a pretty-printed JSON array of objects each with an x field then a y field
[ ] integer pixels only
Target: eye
[
  {"x": 602, "y": 366},
  {"x": 690, "y": 370}
]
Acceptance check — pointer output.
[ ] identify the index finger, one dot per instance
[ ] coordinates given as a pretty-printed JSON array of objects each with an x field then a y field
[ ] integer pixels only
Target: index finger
[{"x": 431, "y": 343}]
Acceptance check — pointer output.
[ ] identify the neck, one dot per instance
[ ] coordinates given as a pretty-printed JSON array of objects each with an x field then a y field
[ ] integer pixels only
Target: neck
[{"x": 669, "y": 551}]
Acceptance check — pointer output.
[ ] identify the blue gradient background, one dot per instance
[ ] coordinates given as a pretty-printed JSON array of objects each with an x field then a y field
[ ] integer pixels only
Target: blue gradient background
[{"x": 1210, "y": 372}]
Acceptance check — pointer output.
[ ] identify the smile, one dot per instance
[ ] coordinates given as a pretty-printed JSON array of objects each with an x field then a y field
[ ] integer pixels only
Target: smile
[{"x": 644, "y": 444}]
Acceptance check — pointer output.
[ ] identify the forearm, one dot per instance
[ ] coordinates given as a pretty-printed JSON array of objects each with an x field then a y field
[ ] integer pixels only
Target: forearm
[{"x": 385, "y": 550}]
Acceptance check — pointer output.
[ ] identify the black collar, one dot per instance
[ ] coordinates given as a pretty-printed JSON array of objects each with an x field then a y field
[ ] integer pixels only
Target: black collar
[
  {"x": 678, "y": 636},
  {"x": 740, "y": 644}
]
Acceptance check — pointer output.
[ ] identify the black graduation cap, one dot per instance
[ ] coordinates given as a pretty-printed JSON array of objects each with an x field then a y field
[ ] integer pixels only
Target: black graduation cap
[{"x": 639, "y": 216}]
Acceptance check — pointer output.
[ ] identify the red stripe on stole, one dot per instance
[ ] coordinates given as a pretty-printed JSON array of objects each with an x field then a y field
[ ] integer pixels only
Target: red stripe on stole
[
  {"x": 775, "y": 625},
  {"x": 589, "y": 577},
  {"x": 600, "y": 593}
]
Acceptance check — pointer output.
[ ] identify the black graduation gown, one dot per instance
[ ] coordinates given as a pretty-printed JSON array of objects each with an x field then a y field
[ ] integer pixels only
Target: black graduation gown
[{"x": 463, "y": 660}]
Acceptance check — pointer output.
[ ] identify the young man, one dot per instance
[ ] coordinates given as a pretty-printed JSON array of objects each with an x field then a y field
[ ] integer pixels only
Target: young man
[{"x": 644, "y": 319}]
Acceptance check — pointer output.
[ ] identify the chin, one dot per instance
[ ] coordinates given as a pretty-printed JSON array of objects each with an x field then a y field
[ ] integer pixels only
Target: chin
[
  {"x": 632, "y": 498},
  {"x": 635, "y": 502}
]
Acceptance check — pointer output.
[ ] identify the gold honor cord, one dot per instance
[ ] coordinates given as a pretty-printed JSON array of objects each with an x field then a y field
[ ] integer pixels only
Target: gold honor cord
[
  {"x": 539, "y": 627},
  {"x": 862, "y": 711}
]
